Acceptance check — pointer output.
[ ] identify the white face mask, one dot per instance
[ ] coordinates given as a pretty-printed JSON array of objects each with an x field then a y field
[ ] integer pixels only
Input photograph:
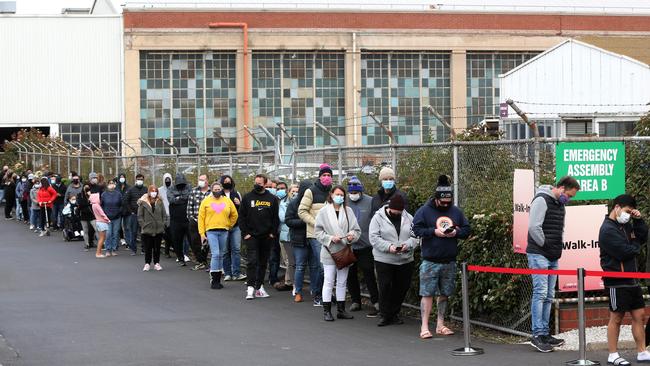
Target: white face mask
[
  {"x": 139, "y": 183},
  {"x": 73, "y": 202},
  {"x": 122, "y": 180},
  {"x": 201, "y": 184},
  {"x": 153, "y": 194},
  {"x": 623, "y": 218},
  {"x": 355, "y": 196}
]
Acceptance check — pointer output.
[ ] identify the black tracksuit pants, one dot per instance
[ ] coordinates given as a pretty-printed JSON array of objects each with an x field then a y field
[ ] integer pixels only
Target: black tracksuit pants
[
  {"x": 394, "y": 282},
  {"x": 258, "y": 250}
]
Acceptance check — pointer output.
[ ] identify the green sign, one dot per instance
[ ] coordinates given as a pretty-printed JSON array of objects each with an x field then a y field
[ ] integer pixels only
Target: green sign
[{"x": 599, "y": 167}]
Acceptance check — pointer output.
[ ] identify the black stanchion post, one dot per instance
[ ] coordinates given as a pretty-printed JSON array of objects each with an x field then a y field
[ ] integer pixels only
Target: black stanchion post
[
  {"x": 468, "y": 350},
  {"x": 582, "y": 343}
]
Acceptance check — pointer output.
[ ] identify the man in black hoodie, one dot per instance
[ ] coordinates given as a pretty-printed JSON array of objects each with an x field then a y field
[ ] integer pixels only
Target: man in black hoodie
[
  {"x": 259, "y": 222},
  {"x": 621, "y": 236},
  {"x": 130, "y": 212},
  {"x": 178, "y": 195},
  {"x": 232, "y": 255}
]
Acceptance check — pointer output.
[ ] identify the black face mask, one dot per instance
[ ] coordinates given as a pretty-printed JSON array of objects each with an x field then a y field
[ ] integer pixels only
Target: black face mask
[
  {"x": 444, "y": 207},
  {"x": 259, "y": 188},
  {"x": 168, "y": 183},
  {"x": 216, "y": 194},
  {"x": 75, "y": 181},
  {"x": 227, "y": 185}
]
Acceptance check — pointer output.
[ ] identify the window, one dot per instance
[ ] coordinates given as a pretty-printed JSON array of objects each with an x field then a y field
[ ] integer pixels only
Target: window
[
  {"x": 77, "y": 133},
  {"x": 576, "y": 128},
  {"x": 616, "y": 129}
]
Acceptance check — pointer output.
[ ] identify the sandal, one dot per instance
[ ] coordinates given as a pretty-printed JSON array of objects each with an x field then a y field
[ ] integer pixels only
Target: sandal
[
  {"x": 426, "y": 335},
  {"x": 620, "y": 361},
  {"x": 444, "y": 331}
]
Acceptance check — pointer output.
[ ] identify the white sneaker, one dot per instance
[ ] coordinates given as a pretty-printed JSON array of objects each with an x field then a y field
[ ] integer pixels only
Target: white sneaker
[
  {"x": 146, "y": 268},
  {"x": 43, "y": 233},
  {"x": 241, "y": 277},
  {"x": 187, "y": 259},
  {"x": 250, "y": 293},
  {"x": 227, "y": 278},
  {"x": 157, "y": 267},
  {"x": 31, "y": 227},
  {"x": 293, "y": 291},
  {"x": 123, "y": 242},
  {"x": 262, "y": 292}
]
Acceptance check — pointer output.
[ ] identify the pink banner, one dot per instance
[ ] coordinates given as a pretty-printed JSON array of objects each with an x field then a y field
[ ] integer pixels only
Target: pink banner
[
  {"x": 522, "y": 196},
  {"x": 581, "y": 249}
]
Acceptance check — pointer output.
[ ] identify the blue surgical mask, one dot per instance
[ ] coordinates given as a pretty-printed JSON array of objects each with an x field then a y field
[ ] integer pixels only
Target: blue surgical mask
[
  {"x": 338, "y": 200},
  {"x": 564, "y": 199},
  {"x": 272, "y": 191},
  {"x": 388, "y": 184},
  {"x": 281, "y": 193}
]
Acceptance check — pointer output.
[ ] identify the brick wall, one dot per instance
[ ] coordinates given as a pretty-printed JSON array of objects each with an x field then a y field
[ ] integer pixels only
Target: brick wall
[{"x": 595, "y": 315}]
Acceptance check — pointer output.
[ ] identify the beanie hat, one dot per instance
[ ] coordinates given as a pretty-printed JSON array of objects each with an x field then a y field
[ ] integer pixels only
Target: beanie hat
[
  {"x": 386, "y": 173},
  {"x": 325, "y": 168},
  {"x": 443, "y": 190},
  {"x": 92, "y": 175},
  {"x": 396, "y": 202},
  {"x": 355, "y": 185}
]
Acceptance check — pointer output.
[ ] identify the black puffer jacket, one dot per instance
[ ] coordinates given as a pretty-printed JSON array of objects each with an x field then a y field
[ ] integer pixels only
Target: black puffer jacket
[
  {"x": 178, "y": 196},
  {"x": 85, "y": 208},
  {"x": 297, "y": 227},
  {"x": 130, "y": 199},
  {"x": 382, "y": 198}
]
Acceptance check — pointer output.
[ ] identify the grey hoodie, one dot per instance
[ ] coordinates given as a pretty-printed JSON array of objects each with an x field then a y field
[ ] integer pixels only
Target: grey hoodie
[
  {"x": 383, "y": 234},
  {"x": 162, "y": 192},
  {"x": 537, "y": 214}
]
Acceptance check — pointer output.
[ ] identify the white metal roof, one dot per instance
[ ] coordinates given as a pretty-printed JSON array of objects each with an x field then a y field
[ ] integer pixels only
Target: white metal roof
[{"x": 576, "y": 77}]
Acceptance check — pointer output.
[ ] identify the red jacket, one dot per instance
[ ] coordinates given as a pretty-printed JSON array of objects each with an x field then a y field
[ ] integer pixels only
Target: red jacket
[{"x": 46, "y": 195}]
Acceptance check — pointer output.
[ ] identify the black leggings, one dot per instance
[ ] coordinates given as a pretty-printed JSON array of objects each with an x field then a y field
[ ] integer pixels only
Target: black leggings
[
  {"x": 9, "y": 205},
  {"x": 258, "y": 251},
  {"x": 151, "y": 245}
]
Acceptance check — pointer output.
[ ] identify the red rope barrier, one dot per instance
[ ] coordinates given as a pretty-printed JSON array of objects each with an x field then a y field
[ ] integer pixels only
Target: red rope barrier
[{"x": 558, "y": 272}]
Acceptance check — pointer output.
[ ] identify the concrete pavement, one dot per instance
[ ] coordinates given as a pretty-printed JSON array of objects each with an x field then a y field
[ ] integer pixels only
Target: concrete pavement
[{"x": 61, "y": 306}]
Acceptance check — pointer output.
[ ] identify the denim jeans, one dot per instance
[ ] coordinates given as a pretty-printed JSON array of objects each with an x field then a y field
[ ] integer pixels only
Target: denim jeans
[
  {"x": 218, "y": 241},
  {"x": 131, "y": 228},
  {"x": 232, "y": 254},
  {"x": 35, "y": 218},
  {"x": 19, "y": 210},
  {"x": 543, "y": 293},
  {"x": 316, "y": 273},
  {"x": 57, "y": 218},
  {"x": 113, "y": 234}
]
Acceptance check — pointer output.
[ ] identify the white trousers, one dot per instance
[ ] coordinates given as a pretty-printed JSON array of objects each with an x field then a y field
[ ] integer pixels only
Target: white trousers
[{"x": 341, "y": 276}]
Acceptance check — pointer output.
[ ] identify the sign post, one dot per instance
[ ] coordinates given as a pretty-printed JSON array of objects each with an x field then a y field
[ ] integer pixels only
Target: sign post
[{"x": 599, "y": 167}]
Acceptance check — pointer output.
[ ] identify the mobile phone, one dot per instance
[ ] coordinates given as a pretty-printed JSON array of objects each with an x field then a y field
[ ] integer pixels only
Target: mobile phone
[
  {"x": 398, "y": 248},
  {"x": 449, "y": 230}
]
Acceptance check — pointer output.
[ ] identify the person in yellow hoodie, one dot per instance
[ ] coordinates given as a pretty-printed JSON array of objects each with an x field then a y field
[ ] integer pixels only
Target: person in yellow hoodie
[{"x": 217, "y": 215}]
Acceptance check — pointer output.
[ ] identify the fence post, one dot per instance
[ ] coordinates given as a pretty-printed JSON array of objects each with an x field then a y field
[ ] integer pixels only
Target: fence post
[
  {"x": 456, "y": 173},
  {"x": 393, "y": 159},
  {"x": 338, "y": 147},
  {"x": 582, "y": 344},
  {"x": 467, "y": 350}
]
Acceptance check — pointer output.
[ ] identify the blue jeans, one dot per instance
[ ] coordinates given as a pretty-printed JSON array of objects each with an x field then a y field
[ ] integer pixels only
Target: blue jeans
[
  {"x": 302, "y": 258},
  {"x": 232, "y": 253},
  {"x": 57, "y": 218},
  {"x": 35, "y": 218},
  {"x": 543, "y": 293},
  {"x": 113, "y": 234},
  {"x": 218, "y": 241},
  {"x": 316, "y": 273},
  {"x": 19, "y": 210},
  {"x": 131, "y": 228}
]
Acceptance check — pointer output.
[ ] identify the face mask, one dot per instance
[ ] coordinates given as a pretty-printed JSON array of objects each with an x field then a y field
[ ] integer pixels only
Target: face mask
[
  {"x": 354, "y": 197},
  {"x": 216, "y": 194},
  {"x": 53, "y": 181},
  {"x": 139, "y": 183},
  {"x": 37, "y": 186},
  {"x": 564, "y": 199},
  {"x": 388, "y": 184},
  {"x": 338, "y": 200},
  {"x": 75, "y": 181},
  {"x": 201, "y": 183},
  {"x": 94, "y": 181},
  {"x": 122, "y": 180},
  {"x": 73, "y": 202},
  {"x": 153, "y": 194},
  {"x": 272, "y": 191},
  {"x": 623, "y": 218},
  {"x": 258, "y": 188},
  {"x": 281, "y": 193},
  {"x": 326, "y": 180},
  {"x": 111, "y": 187},
  {"x": 227, "y": 185},
  {"x": 23, "y": 179},
  {"x": 168, "y": 183},
  {"x": 443, "y": 206},
  {"x": 392, "y": 214}
]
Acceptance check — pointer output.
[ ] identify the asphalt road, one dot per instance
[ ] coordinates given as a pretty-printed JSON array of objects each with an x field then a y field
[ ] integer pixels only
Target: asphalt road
[{"x": 61, "y": 306}]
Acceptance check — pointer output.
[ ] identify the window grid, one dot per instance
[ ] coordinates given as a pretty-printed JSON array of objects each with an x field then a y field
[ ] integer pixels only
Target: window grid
[
  {"x": 483, "y": 85},
  {"x": 84, "y": 133}
]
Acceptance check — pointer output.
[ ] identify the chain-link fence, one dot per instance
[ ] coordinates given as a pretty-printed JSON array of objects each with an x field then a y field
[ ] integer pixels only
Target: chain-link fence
[{"x": 482, "y": 174}]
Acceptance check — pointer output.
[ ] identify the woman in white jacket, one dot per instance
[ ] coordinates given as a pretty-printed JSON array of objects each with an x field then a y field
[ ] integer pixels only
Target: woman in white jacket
[
  {"x": 336, "y": 226},
  {"x": 390, "y": 237}
]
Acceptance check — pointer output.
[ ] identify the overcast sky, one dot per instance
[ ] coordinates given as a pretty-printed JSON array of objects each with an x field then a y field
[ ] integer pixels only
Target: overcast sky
[{"x": 55, "y": 6}]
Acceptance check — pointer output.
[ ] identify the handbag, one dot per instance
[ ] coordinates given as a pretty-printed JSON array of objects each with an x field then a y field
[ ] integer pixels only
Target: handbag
[{"x": 343, "y": 257}]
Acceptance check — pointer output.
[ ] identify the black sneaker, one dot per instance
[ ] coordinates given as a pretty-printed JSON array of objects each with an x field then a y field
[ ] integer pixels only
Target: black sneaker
[
  {"x": 372, "y": 313},
  {"x": 540, "y": 344},
  {"x": 555, "y": 342}
]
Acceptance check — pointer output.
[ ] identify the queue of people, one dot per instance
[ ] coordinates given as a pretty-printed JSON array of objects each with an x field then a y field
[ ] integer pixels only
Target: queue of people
[{"x": 335, "y": 233}]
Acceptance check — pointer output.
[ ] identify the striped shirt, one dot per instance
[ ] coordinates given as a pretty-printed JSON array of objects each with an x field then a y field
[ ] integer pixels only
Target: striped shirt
[{"x": 194, "y": 203}]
